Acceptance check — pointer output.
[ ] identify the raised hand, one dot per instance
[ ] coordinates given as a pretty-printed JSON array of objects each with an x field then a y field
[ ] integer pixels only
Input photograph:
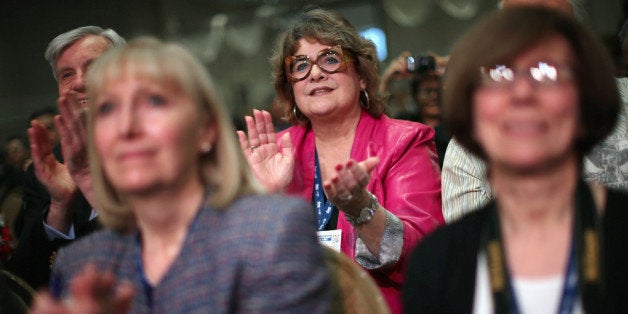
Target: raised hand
[
  {"x": 272, "y": 164},
  {"x": 397, "y": 69},
  {"x": 72, "y": 126},
  {"x": 53, "y": 175},
  {"x": 90, "y": 292},
  {"x": 347, "y": 187}
]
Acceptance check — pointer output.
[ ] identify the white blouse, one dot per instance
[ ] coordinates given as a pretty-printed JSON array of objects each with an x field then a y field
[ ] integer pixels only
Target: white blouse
[{"x": 534, "y": 295}]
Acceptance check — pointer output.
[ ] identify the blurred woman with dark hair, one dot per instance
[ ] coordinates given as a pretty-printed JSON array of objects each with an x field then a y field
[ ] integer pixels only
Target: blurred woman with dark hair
[{"x": 530, "y": 91}]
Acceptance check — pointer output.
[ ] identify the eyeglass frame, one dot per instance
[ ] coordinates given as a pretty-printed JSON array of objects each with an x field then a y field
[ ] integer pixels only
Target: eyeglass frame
[
  {"x": 487, "y": 81},
  {"x": 344, "y": 58}
]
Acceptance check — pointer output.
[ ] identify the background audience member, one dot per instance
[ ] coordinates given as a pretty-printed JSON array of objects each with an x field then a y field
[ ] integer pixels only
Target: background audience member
[
  {"x": 6, "y": 184},
  {"x": 46, "y": 118},
  {"x": 531, "y": 110},
  {"x": 425, "y": 89},
  {"x": 18, "y": 154},
  {"x": 608, "y": 162},
  {"x": 16, "y": 157},
  {"x": 197, "y": 235},
  {"x": 55, "y": 206},
  {"x": 374, "y": 179},
  {"x": 465, "y": 183}
]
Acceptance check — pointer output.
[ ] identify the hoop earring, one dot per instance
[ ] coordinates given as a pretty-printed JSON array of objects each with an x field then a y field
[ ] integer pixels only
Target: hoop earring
[
  {"x": 296, "y": 117},
  {"x": 367, "y": 102},
  {"x": 207, "y": 147}
]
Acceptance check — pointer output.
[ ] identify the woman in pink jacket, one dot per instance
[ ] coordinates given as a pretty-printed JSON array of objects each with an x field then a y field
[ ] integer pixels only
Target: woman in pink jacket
[{"x": 374, "y": 179}]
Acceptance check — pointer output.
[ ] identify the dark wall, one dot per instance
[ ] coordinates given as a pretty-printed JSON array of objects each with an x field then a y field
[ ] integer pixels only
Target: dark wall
[{"x": 26, "y": 27}]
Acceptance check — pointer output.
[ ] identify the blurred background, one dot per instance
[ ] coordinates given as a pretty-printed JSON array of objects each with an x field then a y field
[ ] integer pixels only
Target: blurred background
[{"x": 233, "y": 38}]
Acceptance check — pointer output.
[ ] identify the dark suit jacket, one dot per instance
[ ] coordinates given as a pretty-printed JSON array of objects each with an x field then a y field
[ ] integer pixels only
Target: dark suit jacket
[
  {"x": 9, "y": 302},
  {"x": 32, "y": 259},
  {"x": 441, "y": 274}
]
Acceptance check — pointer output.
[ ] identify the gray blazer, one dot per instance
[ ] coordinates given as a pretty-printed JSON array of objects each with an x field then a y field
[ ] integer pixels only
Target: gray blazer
[{"x": 260, "y": 255}]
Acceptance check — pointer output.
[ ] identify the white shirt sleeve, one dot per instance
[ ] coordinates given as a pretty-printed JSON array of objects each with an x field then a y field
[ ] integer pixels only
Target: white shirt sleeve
[{"x": 465, "y": 186}]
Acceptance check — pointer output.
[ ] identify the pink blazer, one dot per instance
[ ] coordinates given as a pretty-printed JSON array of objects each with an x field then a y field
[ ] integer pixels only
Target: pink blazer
[{"x": 406, "y": 181}]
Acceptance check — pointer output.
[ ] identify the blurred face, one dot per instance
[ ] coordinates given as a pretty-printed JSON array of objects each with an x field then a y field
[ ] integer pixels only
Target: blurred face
[
  {"x": 16, "y": 153},
  {"x": 428, "y": 98},
  {"x": 531, "y": 121},
  {"x": 47, "y": 120},
  {"x": 148, "y": 136},
  {"x": 325, "y": 95},
  {"x": 73, "y": 63}
]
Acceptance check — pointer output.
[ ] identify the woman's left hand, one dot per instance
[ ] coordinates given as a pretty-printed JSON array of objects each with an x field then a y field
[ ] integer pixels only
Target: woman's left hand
[{"x": 347, "y": 188}]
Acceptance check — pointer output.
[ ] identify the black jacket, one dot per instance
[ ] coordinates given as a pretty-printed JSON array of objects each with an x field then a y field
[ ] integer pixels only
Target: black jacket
[
  {"x": 441, "y": 273},
  {"x": 32, "y": 259}
]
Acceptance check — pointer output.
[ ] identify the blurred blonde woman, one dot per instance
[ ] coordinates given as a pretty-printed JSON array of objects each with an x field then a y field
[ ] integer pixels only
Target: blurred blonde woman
[{"x": 186, "y": 226}]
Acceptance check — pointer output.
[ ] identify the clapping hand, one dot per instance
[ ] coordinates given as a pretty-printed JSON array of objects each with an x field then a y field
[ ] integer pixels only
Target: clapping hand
[
  {"x": 53, "y": 175},
  {"x": 347, "y": 187},
  {"x": 63, "y": 180},
  {"x": 72, "y": 126},
  {"x": 90, "y": 292},
  {"x": 272, "y": 164}
]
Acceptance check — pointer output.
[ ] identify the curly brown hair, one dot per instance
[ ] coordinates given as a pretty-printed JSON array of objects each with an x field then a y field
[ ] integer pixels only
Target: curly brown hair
[{"x": 329, "y": 28}]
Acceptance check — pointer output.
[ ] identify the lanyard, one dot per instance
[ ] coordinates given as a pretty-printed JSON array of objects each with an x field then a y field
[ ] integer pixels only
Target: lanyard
[
  {"x": 324, "y": 208},
  {"x": 570, "y": 289},
  {"x": 583, "y": 274}
]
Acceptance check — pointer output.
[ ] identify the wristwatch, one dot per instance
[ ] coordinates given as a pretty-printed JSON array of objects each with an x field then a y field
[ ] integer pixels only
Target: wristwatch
[{"x": 366, "y": 213}]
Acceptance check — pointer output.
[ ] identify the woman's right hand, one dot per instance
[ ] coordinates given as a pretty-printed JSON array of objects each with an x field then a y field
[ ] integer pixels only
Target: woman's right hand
[
  {"x": 90, "y": 292},
  {"x": 272, "y": 164}
]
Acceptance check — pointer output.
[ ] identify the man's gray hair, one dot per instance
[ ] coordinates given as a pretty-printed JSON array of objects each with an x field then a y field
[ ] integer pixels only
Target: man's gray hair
[{"x": 59, "y": 43}]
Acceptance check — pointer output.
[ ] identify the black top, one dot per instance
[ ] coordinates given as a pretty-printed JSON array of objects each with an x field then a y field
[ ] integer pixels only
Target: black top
[
  {"x": 33, "y": 258},
  {"x": 441, "y": 272}
]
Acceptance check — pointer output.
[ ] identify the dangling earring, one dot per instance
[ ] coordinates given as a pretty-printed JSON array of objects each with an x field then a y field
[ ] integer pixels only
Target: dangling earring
[
  {"x": 206, "y": 148},
  {"x": 367, "y": 102}
]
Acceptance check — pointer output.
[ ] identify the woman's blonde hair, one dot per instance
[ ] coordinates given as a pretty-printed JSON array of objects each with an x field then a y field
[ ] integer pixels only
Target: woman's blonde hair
[{"x": 223, "y": 170}]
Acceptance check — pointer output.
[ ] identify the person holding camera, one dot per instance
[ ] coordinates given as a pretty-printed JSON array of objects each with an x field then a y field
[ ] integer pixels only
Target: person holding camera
[
  {"x": 425, "y": 72},
  {"x": 374, "y": 181}
]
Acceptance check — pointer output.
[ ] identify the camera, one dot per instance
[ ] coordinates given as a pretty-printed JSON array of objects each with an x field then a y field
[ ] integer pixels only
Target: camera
[{"x": 420, "y": 64}]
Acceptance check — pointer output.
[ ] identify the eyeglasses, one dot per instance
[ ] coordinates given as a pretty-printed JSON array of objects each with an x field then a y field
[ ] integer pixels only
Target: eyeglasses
[
  {"x": 329, "y": 60},
  {"x": 543, "y": 74}
]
